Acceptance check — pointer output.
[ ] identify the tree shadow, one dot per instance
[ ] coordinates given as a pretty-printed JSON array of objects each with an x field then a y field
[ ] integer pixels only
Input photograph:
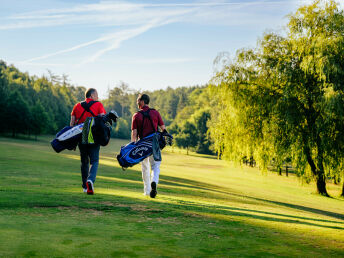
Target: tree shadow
[
  {"x": 193, "y": 188},
  {"x": 187, "y": 183},
  {"x": 130, "y": 205},
  {"x": 241, "y": 212}
]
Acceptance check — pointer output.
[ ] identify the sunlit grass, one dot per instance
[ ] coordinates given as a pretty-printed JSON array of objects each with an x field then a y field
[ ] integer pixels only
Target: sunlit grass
[{"x": 204, "y": 207}]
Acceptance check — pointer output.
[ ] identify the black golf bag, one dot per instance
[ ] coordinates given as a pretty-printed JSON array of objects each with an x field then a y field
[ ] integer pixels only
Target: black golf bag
[{"x": 99, "y": 127}]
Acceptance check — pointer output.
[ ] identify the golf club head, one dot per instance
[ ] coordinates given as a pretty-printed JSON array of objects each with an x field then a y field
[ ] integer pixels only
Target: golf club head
[
  {"x": 168, "y": 137},
  {"x": 113, "y": 115}
]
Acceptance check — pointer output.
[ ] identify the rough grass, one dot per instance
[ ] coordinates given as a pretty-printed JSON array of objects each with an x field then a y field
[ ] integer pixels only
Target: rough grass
[{"x": 204, "y": 207}]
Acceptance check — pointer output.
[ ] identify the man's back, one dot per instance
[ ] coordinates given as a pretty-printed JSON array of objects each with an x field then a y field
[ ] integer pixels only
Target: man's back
[
  {"x": 144, "y": 125},
  {"x": 80, "y": 114}
]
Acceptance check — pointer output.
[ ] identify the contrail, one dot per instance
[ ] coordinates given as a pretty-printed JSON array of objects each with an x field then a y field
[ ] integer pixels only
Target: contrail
[{"x": 121, "y": 14}]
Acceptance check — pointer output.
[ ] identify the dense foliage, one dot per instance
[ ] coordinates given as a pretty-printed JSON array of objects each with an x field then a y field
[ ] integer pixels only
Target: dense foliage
[
  {"x": 285, "y": 99},
  {"x": 185, "y": 111},
  {"x": 33, "y": 105}
]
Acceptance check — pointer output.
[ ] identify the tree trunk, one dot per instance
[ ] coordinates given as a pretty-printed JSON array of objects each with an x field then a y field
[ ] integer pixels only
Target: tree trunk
[
  {"x": 279, "y": 171},
  {"x": 251, "y": 161},
  {"x": 286, "y": 170},
  {"x": 321, "y": 184},
  {"x": 342, "y": 190},
  {"x": 318, "y": 173},
  {"x": 187, "y": 150},
  {"x": 321, "y": 180}
]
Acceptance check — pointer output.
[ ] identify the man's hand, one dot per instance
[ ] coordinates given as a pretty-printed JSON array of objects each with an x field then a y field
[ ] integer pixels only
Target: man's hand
[
  {"x": 168, "y": 137},
  {"x": 72, "y": 121}
]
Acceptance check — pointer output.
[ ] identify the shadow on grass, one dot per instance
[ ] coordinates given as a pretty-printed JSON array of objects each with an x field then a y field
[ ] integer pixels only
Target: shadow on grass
[
  {"x": 161, "y": 208},
  {"x": 193, "y": 187},
  {"x": 240, "y": 212},
  {"x": 187, "y": 183},
  {"x": 173, "y": 207},
  {"x": 50, "y": 197}
]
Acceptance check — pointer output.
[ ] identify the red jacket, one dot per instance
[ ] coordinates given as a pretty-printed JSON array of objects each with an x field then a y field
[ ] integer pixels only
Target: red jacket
[{"x": 97, "y": 108}]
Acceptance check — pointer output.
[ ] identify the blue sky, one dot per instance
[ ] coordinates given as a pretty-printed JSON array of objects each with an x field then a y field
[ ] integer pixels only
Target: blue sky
[{"x": 147, "y": 44}]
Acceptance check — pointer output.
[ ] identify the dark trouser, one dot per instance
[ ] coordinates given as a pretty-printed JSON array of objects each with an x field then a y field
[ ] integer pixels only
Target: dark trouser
[{"x": 89, "y": 154}]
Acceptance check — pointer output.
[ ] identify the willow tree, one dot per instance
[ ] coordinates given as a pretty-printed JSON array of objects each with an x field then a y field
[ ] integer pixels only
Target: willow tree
[{"x": 286, "y": 97}]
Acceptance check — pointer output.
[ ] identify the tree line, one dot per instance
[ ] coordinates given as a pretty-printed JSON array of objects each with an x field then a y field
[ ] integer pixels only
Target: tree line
[
  {"x": 185, "y": 112},
  {"x": 35, "y": 105}
]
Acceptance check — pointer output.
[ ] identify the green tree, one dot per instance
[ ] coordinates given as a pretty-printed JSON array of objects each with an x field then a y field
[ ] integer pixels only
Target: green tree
[
  {"x": 187, "y": 136},
  {"x": 201, "y": 119},
  {"x": 39, "y": 119},
  {"x": 17, "y": 113},
  {"x": 286, "y": 97},
  {"x": 121, "y": 129},
  {"x": 4, "y": 96}
]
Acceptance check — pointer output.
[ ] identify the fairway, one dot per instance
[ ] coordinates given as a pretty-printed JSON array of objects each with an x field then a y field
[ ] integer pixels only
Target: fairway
[{"x": 205, "y": 207}]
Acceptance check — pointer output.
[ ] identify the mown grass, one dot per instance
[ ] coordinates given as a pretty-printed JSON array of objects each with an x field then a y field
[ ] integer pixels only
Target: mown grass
[{"x": 205, "y": 207}]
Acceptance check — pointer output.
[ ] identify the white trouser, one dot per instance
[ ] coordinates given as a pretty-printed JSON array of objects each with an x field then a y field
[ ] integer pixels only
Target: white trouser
[{"x": 148, "y": 164}]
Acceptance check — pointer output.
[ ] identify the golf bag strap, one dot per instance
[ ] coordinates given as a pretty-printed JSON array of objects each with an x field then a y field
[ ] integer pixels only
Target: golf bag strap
[
  {"x": 86, "y": 106},
  {"x": 144, "y": 116}
]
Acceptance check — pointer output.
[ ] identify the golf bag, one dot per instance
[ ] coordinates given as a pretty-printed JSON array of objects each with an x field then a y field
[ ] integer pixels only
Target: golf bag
[
  {"x": 134, "y": 152},
  {"x": 99, "y": 127}
]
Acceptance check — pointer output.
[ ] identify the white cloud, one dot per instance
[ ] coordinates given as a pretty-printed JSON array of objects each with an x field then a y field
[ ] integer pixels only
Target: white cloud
[
  {"x": 40, "y": 64},
  {"x": 125, "y": 13},
  {"x": 162, "y": 61},
  {"x": 120, "y": 37},
  {"x": 133, "y": 19}
]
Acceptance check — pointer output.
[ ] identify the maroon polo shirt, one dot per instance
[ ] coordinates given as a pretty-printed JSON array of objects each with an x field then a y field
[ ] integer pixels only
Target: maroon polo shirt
[
  {"x": 147, "y": 126},
  {"x": 97, "y": 108}
]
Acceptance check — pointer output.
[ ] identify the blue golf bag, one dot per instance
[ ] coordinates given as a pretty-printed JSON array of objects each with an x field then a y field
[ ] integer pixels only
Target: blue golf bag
[{"x": 134, "y": 152}]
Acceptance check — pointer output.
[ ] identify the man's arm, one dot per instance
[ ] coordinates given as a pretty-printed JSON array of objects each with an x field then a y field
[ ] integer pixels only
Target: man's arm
[
  {"x": 161, "y": 123},
  {"x": 101, "y": 110},
  {"x": 134, "y": 135},
  {"x": 72, "y": 120}
]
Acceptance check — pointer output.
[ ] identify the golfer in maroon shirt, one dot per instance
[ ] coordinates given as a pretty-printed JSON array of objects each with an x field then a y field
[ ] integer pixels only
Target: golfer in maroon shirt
[{"x": 140, "y": 128}]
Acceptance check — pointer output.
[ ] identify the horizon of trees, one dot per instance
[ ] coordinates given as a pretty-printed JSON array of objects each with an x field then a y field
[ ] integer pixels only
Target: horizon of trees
[
  {"x": 36, "y": 105},
  {"x": 33, "y": 105}
]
